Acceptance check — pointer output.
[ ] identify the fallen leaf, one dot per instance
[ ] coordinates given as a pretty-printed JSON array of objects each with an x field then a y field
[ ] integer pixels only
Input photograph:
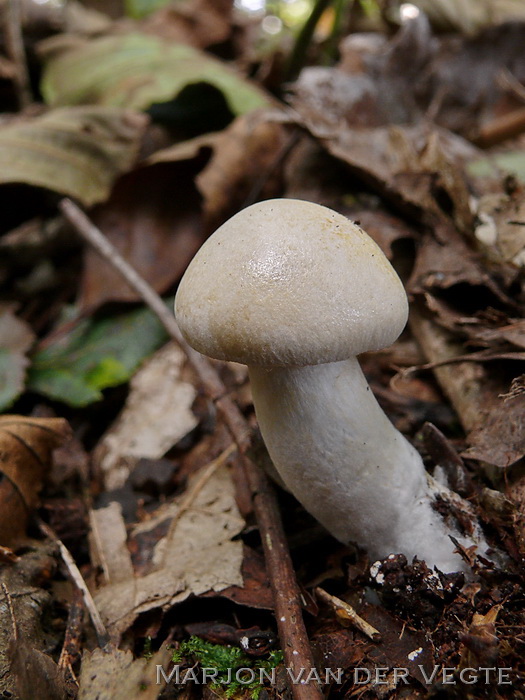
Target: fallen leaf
[
  {"x": 108, "y": 530},
  {"x": 156, "y": 416},
  {"x": 154, "y": 219},
  {"x": 113, "y": 673},
  {"x": 400, "y": 647},
  {"x": 25, "y": 670},
  {"x": 95, "y": 355},
  {"x": 480, "y": 642},
  {"x": 416, "y": 167},
  {"x": 470, "y": 16},
  {"x": 439, "y": 266},
  {"x": 16, "y": 337},
  {"x": 499, "y": 438},
  {"x": 26, "y": 445},
  {"x": 37, "y": 675},
  {"x": 137, "y": 70},
  {"x": 244, "y": 156},
  {"x": 200, "y": 23},
  {"x": 501, "y": 229},
  {"x": 197, "y": 555},
  {"x": 255, "y": 591},
  {"x": 76, "y": 151}
]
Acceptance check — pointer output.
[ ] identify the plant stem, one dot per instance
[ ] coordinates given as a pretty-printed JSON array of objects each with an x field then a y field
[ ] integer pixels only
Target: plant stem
[{"x": 303, "y": 41}]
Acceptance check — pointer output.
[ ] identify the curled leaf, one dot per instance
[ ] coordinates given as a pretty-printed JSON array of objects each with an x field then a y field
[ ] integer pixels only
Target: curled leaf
[
  {"x": 26, "y": 445},
  {"x": 76, "y": 151}
]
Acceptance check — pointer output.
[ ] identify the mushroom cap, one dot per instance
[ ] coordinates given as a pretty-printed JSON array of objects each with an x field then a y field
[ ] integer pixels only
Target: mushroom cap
[{"x": 289, "y": 283}]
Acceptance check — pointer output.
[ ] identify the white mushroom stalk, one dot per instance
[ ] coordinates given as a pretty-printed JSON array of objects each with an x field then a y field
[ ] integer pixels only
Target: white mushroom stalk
[{"x": 296, "y": 291}]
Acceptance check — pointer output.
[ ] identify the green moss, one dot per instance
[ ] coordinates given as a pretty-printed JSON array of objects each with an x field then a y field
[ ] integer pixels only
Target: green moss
[{"x": 226, "y": 661}]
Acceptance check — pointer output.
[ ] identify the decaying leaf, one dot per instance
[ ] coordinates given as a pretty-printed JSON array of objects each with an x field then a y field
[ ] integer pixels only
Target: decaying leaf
[
  {"x": 200, "y": 23},
  {"x": 480, "y": 641},
  {"x": 495, "y": 427},
  {"x": 469, "y": 16},
  {"x": 137, "y": 70},
  {"x": 154, "y": 219},
  {"x": 95, "y": 355},
  {"x": 501, "y": 228},
  {"x": 26, "y": 445},
  {"x": 414, "y": 166},
  {"x": 499, "y": 438},
  {"x": 196, "y": 556},
  {"x": 242, "y": 166},
  {"x": 16, "y": 337},
  {"x": 108, "y": 531},
  {"x": 113, "y": 673},
  {"x": 156, "y": 416},
  {"x": 76, "y": 151},
  {"x": 27, "y": 669}
]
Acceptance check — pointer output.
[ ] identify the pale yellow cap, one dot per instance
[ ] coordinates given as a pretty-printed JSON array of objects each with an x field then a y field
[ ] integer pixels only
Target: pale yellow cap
[{"x": 289, "y": 283}]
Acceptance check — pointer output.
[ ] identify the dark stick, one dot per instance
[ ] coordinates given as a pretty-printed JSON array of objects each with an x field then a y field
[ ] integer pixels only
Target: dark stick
[
  {"x": 287, "y": 602},
  {"x": 15, "y": 49}
]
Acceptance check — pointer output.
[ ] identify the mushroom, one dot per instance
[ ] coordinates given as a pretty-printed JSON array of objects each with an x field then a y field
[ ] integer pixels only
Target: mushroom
[{"x": 296, "y": 291}]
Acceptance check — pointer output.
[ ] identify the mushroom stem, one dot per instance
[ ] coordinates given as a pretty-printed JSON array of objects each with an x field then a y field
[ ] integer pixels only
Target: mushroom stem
[{"x": 345, "y": 462}]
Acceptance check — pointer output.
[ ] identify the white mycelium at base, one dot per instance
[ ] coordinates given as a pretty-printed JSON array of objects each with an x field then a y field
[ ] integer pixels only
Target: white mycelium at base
[{"x": 345, "y": 462}]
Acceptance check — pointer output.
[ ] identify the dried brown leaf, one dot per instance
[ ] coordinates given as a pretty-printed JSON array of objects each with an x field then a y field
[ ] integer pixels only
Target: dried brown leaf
[
  {"x": 109, "y": 543},
  {"x": 153, "y": 219},
  {"x": 113, "y": 673},
  {"x": 26, "y": 445},
  {"x": 197, "y": 555},
  {"x": 196, "y": 22},
  {"x": 243, "y": 161},
  {"x": 156, "y": 416}
]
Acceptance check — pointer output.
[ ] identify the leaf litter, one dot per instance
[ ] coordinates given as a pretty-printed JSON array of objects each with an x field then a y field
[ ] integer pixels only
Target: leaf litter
[{"x": 396, "y": 135}]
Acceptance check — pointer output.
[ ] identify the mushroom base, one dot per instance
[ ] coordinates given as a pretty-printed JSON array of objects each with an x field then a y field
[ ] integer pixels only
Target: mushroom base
[{"x": 342, "y": 458}]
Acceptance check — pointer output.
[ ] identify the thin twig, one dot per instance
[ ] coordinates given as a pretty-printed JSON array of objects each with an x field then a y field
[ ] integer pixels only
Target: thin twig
[
  {"x": 501, "y": 128},
  {"x": 203, "y": 477},
  {"x": 12, "y": 617},
  {"x": 345, "y": 612},
  {"x": 16, "y": 52},
  {"x": 75, "y": 576},
  {"x": 209, "y": 379},
  {"x": 286, "y": 595},
  {"x": 70, "y": 653}
]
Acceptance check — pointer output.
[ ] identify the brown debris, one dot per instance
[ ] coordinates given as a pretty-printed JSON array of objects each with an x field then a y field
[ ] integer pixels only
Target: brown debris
[{"x": 26, "y": 446}]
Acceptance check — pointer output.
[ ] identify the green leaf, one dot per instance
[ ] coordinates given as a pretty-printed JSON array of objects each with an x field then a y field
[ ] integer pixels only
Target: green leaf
[
  {"x": 76, "y": 151},
  {"x": 137, "y": 70},
  {"x": 141, "y": 8},
  {"x": 96, "y": 355}
]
